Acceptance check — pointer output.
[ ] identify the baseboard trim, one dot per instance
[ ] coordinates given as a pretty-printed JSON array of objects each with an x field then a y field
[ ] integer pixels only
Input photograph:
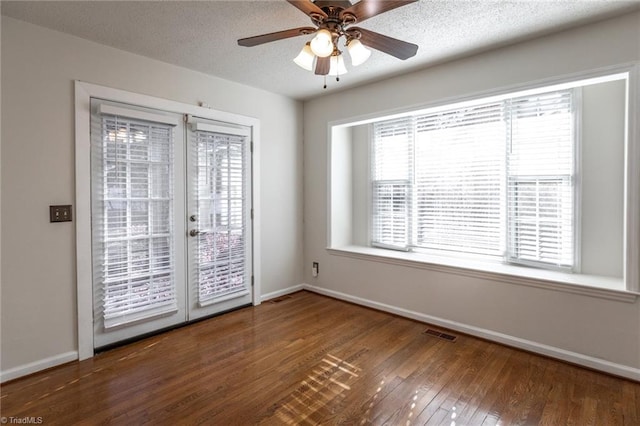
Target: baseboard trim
[
  {"x": 505, "y": 339},
  {"x": 282, "y": 292},
  {"x": 516, "y": 342},
  {"x": 34, "y": 367},
  {"x": 43, "y": 364}
]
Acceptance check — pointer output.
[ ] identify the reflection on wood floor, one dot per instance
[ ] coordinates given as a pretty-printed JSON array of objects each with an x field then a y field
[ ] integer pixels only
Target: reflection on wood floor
[{"x": 310, "y": 360}]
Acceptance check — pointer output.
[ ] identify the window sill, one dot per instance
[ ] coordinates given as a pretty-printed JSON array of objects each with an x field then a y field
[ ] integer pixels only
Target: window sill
[{"x": 588, "y": 285}]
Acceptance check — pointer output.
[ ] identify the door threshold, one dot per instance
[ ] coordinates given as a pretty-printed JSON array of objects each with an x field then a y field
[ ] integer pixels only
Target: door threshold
[{"x": 134, "y": 339}]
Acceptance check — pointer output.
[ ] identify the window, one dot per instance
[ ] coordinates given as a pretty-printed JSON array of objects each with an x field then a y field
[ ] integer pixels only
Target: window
[
  {"x": 494, "y": 180},
  {"x": 487, "y": 187},
  {"x": 133, "y": 237},
  {"x": 392, "y": 170}
]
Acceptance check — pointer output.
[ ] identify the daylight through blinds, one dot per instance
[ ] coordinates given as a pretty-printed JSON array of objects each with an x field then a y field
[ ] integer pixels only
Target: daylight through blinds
[
  {"x": 494, "y": 180},
  {"x": 540, "y": 179},
  {"x": 132, "y": 218},
  {"x": 391, "y": 171},
  {"x": 221, "y": 245}
]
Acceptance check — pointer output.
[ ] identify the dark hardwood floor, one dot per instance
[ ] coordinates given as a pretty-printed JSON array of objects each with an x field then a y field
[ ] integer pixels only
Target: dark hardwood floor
[{"x": 309, "y": 360}]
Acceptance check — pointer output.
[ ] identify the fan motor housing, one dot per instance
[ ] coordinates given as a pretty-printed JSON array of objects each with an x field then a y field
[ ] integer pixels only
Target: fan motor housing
[
  {"x": 342, "y": 4},
  {"x": 335, "y": 21}
]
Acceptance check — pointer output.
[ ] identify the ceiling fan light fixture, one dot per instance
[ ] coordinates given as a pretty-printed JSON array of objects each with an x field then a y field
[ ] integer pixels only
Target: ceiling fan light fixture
[
  {"x": 322, "y": 43},
  {"x": 305, "y": 57},
  {"x": 332, "y": 27},
  {"x": 358, "y": 52},
  {"x": 336, "y": 65}
]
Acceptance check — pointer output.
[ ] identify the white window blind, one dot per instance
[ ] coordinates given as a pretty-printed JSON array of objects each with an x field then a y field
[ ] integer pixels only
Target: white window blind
[
  {"x": 221, "y": 198},
  {"x": 392, "y": 171},
  {"x": 540, "y": 179},
  {"x": 459, "y": 169},
  {"x": 494, "y": 180},
  {"x": 132, "y": 217}
]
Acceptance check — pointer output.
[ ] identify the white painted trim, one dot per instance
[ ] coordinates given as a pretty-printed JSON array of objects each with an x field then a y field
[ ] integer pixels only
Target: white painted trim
[
  {"x": 34, "y": 367},
  {"x": 256, "y": 232},
  {"x": 577, "y": 178},
  {"x": 84, "y": 271},
  {"x": 282, "y": 292},
  {"x": 225, "y": 130},
  {"x": 146, "y": 101},
  {"x": 329, "y": 182},
  {"x": 511, "y": 274},
  {"x": 83, "y": 94},
  {"x": 505, "y": 339},
  {"x": 138, "y": 115},
  {"x": 632, "y": 183},
  {"x": 573, "y": 357}
]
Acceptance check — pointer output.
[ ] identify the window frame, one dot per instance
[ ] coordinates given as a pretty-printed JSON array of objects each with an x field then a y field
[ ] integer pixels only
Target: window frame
[
  {"x": 352, "y": 244},
  {"x": 503, "y": 109},
  {"x": 575, "y": 183}
]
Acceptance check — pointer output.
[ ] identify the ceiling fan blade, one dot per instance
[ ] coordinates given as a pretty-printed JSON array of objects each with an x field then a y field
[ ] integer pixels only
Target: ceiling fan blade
[
  {"x": 307, "y": 7},
  {"x": 323, "y": 65},
  {"x": 278, "y": 35},
  {"x": 389, "y": 45},
  {"x": 366, "y": 9}
]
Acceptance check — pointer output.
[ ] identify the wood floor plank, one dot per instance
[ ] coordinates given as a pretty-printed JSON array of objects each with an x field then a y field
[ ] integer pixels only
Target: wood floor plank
[
  {"x": 631, "y": 403},
  {"x": 464, "y": 357},
  {"x": 455, "y": 402},
  {"x": 519, "y": 399},
  {"x": 312, "y": 360}
]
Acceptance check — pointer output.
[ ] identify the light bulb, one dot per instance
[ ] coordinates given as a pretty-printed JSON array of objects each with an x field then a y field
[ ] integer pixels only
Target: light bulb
[
  {"x": 305, "y": 58},
  {"x": 322, "y": 43},
  {"x": 359, "y": 54},
  {"x": 336, "y": 65}
]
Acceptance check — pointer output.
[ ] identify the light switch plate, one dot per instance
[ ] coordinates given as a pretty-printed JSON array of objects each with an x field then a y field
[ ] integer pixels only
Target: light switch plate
[{"x": 60, "y": 213}]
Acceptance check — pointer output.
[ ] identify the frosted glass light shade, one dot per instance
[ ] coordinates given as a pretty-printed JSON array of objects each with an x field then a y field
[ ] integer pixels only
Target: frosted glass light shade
[
  {"x": 336, "y": 65},
  {"x": 322, "y": 43},
  {"x": 359, "y": 54},
  {"x": 305, "y": 58}
]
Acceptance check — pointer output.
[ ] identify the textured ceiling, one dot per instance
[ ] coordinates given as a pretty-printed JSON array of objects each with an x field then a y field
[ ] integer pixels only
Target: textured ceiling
[{"x": 201, "y": 35}]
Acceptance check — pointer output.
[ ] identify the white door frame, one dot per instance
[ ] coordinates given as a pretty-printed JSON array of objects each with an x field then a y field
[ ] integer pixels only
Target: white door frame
[{"x": 84, "y": 277}]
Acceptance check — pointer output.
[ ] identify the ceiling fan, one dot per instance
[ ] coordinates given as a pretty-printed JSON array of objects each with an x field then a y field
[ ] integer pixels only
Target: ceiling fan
[{"x": 333, "y": 19}]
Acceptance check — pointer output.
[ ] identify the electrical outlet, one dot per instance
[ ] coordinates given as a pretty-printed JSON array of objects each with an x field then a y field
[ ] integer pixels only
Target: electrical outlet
[
  {"x": 60, "y": 213},
  {"x": 315, "y": 269}
]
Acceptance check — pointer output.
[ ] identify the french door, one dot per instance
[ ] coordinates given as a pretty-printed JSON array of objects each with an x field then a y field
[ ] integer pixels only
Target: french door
[
  {"x": 171, "y": 219},
  {"x": 219, "y": 242}
]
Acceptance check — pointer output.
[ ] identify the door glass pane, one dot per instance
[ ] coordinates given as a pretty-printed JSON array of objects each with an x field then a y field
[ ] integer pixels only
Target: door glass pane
[
  {"x": 132, "y": 195},
  {"x": 220, "y": 192}
]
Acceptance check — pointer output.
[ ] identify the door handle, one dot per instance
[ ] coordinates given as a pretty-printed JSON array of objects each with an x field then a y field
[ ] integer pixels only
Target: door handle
[{"x": 195, "y": 232}]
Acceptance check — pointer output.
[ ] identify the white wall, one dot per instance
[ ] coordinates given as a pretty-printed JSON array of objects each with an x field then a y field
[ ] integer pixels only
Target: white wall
[
  {"x": 0, "y": 189},
  {"x": 39, "y": 67},
  {"x": 603, "y": 120},
  {"x": 360, "y": 161},
  {"x": 587, "y": 327}
]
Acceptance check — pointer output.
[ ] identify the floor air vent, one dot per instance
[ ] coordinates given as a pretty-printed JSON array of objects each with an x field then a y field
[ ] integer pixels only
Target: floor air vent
[{"x": 441, "y": 335}]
